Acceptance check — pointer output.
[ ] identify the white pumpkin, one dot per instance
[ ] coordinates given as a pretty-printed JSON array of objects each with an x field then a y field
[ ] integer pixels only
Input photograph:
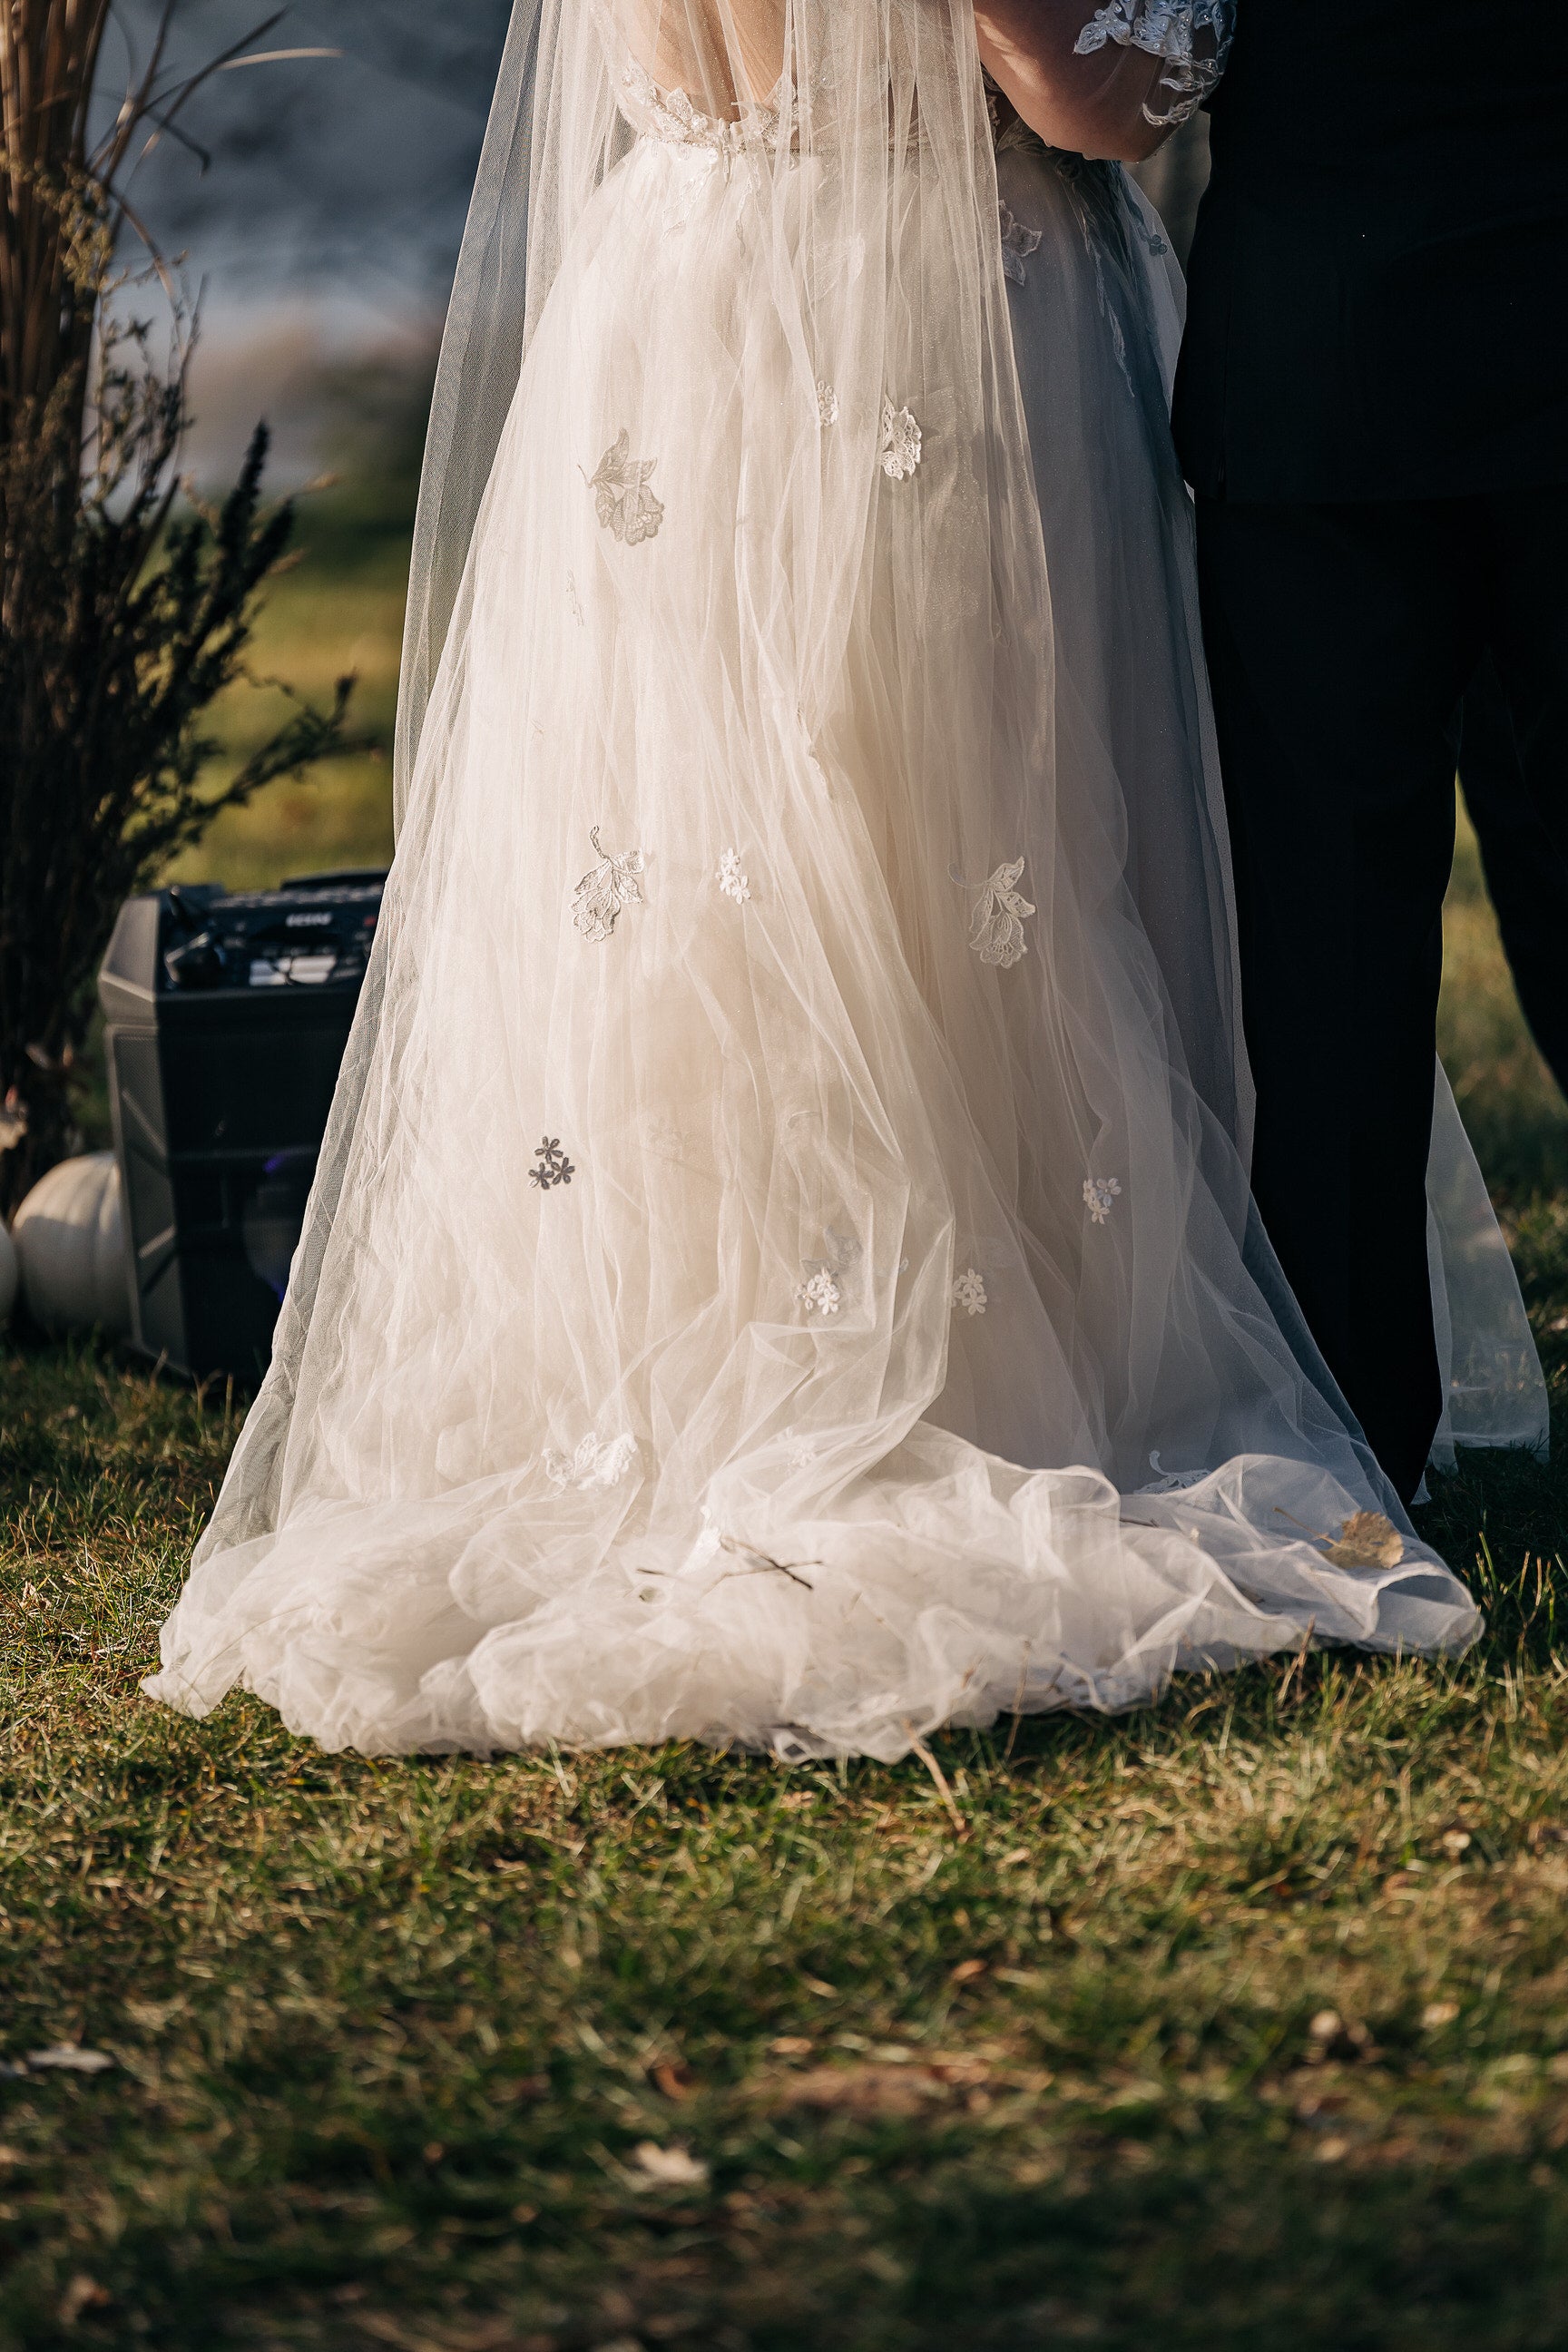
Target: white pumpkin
[
  {"x": 9, "y": 1275},
  {"x": 70, "y": 1237}
]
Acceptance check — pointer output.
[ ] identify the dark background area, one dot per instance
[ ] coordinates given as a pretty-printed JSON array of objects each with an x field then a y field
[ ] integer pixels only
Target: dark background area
[
  {"x": 314, "y": 207},
  {"x": 347, "y": 173}
]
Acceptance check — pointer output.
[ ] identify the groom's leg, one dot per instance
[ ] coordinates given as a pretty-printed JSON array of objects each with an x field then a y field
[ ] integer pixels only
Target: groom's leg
[{"x": 1340, "y": 640}]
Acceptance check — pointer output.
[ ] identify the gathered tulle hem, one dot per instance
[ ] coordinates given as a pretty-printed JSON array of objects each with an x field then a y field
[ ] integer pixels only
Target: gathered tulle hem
[{"x": 944, "y": 1591}]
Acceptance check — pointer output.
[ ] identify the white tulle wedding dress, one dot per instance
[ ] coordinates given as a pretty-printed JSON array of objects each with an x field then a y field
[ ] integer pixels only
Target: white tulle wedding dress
[{"x": 781, "y": 1270}]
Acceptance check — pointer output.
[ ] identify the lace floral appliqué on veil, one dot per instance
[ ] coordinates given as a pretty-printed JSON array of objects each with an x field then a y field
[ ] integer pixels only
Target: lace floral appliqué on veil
[
  {"x": 595, "y": 1468},
  {"x": 902, "y": 442},
  {"x": 625, "y": 504},
  {"x": 1017, "y": 244},
  {"x": 1100, "y": 1195},
  {"x": 968, "y": 1293},
  {"x": 554, "y": 1168},
  {"x": 613, "y": 884},
  {"x": 1001, "y": 911},
  {"x": 668, "y": 115},
  {"x": 827, "y": 1278}
]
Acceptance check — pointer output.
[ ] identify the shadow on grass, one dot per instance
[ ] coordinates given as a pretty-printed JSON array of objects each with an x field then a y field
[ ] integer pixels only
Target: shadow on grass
[{"x": 1252, "y": 2235}]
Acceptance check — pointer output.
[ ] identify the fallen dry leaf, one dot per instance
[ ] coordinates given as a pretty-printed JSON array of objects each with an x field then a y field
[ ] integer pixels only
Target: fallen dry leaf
[
  {"x": 1455, "y": 1842},
  {"x": 1326, "y": 2026},
  {"x": 962, "y": 2073},
  {"x": 667, "y": 2168},
  {"x": 1438, "y": 2013},
  {"x": 1320, "y": 2103},
  {"x": 966, "y": 1971},
  {"x": 66, "y": 2059},
  {"x": 791, "y": 2046},
  {"x": 674, "y": 2078},
  {"x": 83, "y": 2293},
  {"x": 867, "y": 2091},
  {"x": 1367, "y": 1541}
]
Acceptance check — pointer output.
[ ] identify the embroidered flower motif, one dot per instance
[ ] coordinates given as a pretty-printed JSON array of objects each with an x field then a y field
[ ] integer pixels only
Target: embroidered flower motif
[
  {"x": 626, "y": 506},
  {"x": 801, "y": 1451},
  {"x": 968, "y": 1293},
  {"x": 663, "y": 1136},
  {"x": 998, "y": 935},
  {"x": 595, "y": 1468},
  {"x": 826, "y": 402},
  {"x": 669, "y": 115},
  {"x": 614, "y": 883},
  {"x": 708, "y": 1541},
  {"x": 554, "y": 1167},
  {"x": 1100, "y": 1192},
  {"x": 826, "y": 1278},
  {"x": 1017, "y": 244},
  {"x": 731, "y": 879},
  {"x": 1170, "y": 1482},
  {"x": 820, "y": 1295},
  {"x": 900, "y": 450}
]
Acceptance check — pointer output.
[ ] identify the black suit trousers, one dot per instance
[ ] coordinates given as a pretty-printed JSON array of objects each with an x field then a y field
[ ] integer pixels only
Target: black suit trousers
[{"x": 1341, "y": 640}]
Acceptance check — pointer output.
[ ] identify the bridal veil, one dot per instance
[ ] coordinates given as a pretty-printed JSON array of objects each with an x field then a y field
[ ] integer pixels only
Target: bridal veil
[{"x": 772, "y": 1277}]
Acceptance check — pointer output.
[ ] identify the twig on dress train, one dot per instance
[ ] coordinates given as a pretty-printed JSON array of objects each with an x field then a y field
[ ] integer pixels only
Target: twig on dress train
[
  {"x": 960, "y": 1825},
  {"x": 765, "y": 1565}
]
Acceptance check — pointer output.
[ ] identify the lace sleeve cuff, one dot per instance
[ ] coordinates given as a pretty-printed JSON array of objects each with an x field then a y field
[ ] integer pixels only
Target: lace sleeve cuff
[{"x": 1192, "y": 36}]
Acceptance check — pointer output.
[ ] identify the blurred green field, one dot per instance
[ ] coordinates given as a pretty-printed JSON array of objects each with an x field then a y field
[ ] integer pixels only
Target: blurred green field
[{"x": 338, "y": 610}]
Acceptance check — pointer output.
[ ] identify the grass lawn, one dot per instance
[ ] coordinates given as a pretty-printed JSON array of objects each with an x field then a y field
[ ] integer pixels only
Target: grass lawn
[{"x": 1242, "y": 2021}]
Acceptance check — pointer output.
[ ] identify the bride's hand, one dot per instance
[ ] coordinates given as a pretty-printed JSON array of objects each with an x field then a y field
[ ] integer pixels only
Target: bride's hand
[{"x": 1091, "y": 105}]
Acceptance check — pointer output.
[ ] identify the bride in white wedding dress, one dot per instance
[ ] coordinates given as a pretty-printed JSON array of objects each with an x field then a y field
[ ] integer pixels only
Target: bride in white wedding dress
[{"x": 781, "y": 1269}]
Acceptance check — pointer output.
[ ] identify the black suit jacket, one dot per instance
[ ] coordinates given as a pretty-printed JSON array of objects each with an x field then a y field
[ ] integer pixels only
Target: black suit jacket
[{"x": 1379, "y": 283}]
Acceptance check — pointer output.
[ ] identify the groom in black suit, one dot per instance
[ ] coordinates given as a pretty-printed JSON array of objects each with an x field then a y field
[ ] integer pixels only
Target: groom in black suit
[{"x": 1372, "y": 409}]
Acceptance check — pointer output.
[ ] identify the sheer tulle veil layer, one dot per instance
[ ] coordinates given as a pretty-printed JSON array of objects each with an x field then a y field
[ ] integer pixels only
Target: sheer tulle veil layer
[{"x": 773, "y": 1277}]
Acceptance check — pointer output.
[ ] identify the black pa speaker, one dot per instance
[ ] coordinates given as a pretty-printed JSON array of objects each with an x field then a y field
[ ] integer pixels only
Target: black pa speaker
[{"x": 227, "y": 1017}]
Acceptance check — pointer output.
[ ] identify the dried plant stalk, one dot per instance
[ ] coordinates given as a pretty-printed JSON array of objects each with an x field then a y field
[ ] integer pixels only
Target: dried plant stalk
[{"x": 123, "y": 612}]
